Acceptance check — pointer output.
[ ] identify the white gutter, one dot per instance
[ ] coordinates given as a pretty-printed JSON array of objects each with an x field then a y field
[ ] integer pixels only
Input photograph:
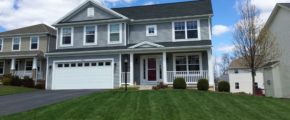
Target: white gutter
[{"x": 131, "y": 50}]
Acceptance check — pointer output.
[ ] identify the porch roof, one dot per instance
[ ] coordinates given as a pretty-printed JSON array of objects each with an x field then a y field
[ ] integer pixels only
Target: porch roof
[{"x": 21, "y": 54}]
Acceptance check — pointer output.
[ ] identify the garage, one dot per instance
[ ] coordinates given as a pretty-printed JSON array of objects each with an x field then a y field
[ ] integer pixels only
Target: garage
[{"x": 94, "y": 74}]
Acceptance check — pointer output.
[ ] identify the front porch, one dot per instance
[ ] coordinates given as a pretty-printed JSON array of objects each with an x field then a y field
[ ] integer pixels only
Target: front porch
[
  {"x": 24, "y": 66},
  {"x": 155, "y": 67}
]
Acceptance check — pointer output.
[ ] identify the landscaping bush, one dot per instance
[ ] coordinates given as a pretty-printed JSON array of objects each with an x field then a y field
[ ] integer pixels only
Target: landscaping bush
[
  {"x": 179, "y": 83},
  {"x": 160, "y": 85},
  {"x": 40, "y": 86},
  {"x": 6, "y": 80},
  {"x": 223, "y": 86},
  {"x": 203, "y": 85},
  {"x": 28, "y": 82},
  {"x": 16, "y": 81}
]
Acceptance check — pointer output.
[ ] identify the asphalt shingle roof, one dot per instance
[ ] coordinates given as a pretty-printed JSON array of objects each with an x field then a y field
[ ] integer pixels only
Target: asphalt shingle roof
[
  {"x": 34, "y": 29},
  {"x": 179, "y": 9},
  {"x": 285, "y": 4}
]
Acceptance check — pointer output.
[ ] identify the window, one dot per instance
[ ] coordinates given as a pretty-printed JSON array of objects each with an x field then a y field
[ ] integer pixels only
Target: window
[
  {"x": 87, "y": 64},
  {"x": 66, "y": 65},
  {"x": 73, "y": 64},
  {"x": 34, "y": 41},
  {"x": 236, "y": 71},
  {"x": 115, "y": 33},
  {"x": 16, "y": 43},
  {"x": 151, "y": 30},
  {"x": 1, "y": 68},
  {"x": 185, "y": 30},
  {"x": 187, "y": 63},
  {"x": 59, "y": 65},
  {"x": 80, "y": 64},
  {"x": 94, "y": 64},
  {"x": 90, "y": 37},
  {"x": 28, "y": 65},
  {"x": 237, "y": 85},
  {"x": 67, "y": 36},
  {"x": 101, "y": 64},
  {"x": 108, "y": 63},
  {"x": 256, "y": 85},
  {"x": 1, "y": 45},
  {"x": 91, "y": 12}
]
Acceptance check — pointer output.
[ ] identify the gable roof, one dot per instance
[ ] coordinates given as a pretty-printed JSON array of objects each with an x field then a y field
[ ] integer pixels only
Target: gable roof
[
  {"x": 34, "y": 29},
  {"x": 275, "y": 10},
  {"x": 80, "y": 7},
  {"x": 146, "y": 43},
  {"x": 179, "y": 9},
  {"x": 238, "y": 64}
]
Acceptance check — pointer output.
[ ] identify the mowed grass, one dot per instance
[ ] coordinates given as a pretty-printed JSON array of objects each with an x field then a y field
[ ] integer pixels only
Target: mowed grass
[
  {"x": 161, "y": 105},
  {"x": 7, "y": 90}
]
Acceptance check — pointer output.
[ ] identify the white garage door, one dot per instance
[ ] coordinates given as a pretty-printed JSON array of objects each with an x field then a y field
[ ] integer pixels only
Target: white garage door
[{"x": 83, "y": 75}]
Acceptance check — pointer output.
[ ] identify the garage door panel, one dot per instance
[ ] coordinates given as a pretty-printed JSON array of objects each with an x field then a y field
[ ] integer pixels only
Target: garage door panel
[{"x": 85, "y": 77}]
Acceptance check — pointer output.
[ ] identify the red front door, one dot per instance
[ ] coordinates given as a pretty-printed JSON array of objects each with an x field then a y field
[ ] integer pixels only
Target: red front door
[{"x": 152, "y": 76}]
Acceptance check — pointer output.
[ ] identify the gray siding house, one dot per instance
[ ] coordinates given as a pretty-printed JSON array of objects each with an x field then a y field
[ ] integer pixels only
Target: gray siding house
[
  {"x": 276, "y": 73},
  {"x": 156, "y": 43},
  {"x": 22, "y": 51}
]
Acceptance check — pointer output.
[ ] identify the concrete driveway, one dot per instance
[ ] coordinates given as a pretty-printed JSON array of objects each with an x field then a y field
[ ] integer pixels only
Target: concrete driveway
[{"x": 10, "y": 104}]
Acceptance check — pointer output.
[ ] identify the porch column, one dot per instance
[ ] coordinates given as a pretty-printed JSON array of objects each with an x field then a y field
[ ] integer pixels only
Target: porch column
[
  {"x": 131, "y": 68},
  {"x": 210, "y": 68},
  {"x": 34, "y": 69},
  {"x": 164, "y": 64},
  {"x": 12, "y": 68}
]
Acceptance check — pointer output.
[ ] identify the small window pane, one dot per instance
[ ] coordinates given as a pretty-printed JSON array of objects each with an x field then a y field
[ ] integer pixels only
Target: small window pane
[
  {"x": 181, "y": 68},
  {"x": 101, "y": 63},
  {"x": 194, "y": 59},
  {"x": 179, "y": 25},
  {"x": 192, "y": 25},
  {"x": 80, "y": 64},
  {"x": 87, "y": 64},
  {"x": 181, "y": 60},
  {"x": 73, "y": 65},
  {"x": 193, "y": 67},
  {"x": 237, "y": 85},
  {"x": 66, "y": 65},
  {"x": 114, "y": 28},
  {"x": 108, "y": 63},
  {"x": 115, "y": 37},
  {"x": 94, "y": 64},
  {"x": 179, "y": 34},
  {"x": 60, "y": 65},
  {"x": 28, "y": 65},
  {"x": 192, "y": 34},
  {"x": 151, "y": 30}
]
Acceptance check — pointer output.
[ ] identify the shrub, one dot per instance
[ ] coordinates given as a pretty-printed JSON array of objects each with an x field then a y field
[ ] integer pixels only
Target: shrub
[
  {"x": 28, "y": 82},
  {"x": 6, "y": 80},
  {"x": 179, "y": 83},
  {"x": 223, "y": 86},
  {"x": 160, "y": 85},
  {"x": 40, "y": 86},
  {"x": 203, "y": 85},
  {"x": 16, "y": 81}
]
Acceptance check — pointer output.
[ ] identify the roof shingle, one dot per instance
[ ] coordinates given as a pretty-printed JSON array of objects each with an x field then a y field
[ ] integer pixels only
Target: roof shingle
[
  {"x": 179, "y": 9},
  {"x": 34, "y": 29}
]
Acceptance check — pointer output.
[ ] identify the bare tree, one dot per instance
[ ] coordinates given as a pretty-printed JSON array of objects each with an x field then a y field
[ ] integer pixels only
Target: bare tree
[
  {"x": 254, "y": 43},
  {"x": 225, "y": 63}
]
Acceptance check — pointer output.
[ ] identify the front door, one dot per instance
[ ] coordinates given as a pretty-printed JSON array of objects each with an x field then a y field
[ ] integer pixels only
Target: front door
[{"x": 150, "y": 69}]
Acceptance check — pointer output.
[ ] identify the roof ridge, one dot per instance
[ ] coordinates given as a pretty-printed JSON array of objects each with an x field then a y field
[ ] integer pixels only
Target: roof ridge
[{"x": 159, "y": 4}]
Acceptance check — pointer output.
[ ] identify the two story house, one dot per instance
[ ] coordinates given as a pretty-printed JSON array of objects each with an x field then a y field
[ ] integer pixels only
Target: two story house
[
  {"x": 22, "y": 51},
  {"x": 156, "y": 43}
]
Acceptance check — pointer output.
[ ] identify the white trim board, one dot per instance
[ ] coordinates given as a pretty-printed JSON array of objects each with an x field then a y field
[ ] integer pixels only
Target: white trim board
[{"x": 146, "y": 43}]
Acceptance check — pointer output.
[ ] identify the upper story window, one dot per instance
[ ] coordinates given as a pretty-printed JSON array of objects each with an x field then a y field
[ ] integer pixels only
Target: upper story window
[
  {"x": 34, "y": 43},
  {"x": 151, "y": 30},
  {"x": 115, "y": 36},
  {"x": 16, "y": 41},
  {"x": 186, "y": 30},
  {"x": 91, "y": 12},
  {"x": 1, "y": 44},
  {"x": 66, "y": 36},
  {"x": 90, "y": 35},
  {"x": 187, "y": 62}
]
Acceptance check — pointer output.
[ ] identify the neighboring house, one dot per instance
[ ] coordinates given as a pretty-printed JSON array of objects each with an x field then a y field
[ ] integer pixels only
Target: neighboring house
[
  {"x": 276, "y": 74},
  {"x": 22, "y": 51},
  {"x": 240, "y": 78},
  {"x": 159, "y": 42}
]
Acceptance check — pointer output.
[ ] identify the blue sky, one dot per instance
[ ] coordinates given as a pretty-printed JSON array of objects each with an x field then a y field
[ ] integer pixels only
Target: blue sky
[{"x": 18, "y": 13}]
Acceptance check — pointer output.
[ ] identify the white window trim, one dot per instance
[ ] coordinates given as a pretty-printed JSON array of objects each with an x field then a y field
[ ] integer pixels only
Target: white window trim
[
  {"x": 3, "y": 67},
  {"x": 109, "y": 34},
  {"x": 72, "y": 37},
  {"x": 85, "y": 36},
  {"x": 187, "y": 54},
  {"x": 13, "y": 44},
  {"x": 31, "y": 43},
  {"x": 186, "y": 37},
  {"x": 25, "y": 65},
  {"x": 90, "y": 14},
  {"x": 2, "y": 44},
  {"x": 155, "y": 30}
]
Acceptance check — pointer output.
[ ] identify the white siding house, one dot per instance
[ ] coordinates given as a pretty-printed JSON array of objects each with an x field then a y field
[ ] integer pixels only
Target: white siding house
[
  {"x": 240, "y": 78},
  {"x": 276, "y": 74}
]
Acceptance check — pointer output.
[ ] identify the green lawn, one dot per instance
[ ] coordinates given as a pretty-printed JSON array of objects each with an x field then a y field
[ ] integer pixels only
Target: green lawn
[
  {"x": 7, "y": 90},
  {"x": 162, "y": 105}
]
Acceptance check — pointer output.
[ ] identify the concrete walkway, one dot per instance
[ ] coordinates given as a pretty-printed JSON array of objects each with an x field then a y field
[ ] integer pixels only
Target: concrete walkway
[{"x": 10, "y": 104}]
